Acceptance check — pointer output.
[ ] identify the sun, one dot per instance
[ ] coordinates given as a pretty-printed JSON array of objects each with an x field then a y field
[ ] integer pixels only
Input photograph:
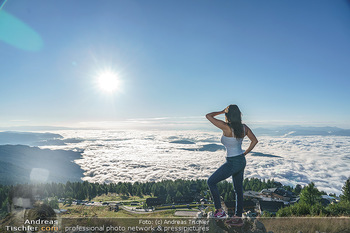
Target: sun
[{"x": 108, "y": 81}]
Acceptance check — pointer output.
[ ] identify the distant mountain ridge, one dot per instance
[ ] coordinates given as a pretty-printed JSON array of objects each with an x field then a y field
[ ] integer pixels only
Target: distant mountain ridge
[
  {"x": 34, "y": 139},
  {"x": 297, "y": 130},
  {"x": 25, "y": 138}
]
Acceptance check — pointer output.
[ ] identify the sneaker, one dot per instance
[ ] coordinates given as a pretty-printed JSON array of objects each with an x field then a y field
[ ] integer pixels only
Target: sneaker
[
  {"x": 221, "y": 214},
  {"x": 235, "y": 221}
]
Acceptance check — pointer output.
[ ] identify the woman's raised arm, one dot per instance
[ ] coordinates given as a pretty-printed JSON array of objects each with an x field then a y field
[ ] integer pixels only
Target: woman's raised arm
[{"x": 218, "y": 123}]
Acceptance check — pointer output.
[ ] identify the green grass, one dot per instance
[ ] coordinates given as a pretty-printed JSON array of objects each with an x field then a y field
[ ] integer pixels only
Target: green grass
[
  {"x": 180, "y": 206},
  {"x": 115, "y": 197},
  {"x": 78, "y": 211}
]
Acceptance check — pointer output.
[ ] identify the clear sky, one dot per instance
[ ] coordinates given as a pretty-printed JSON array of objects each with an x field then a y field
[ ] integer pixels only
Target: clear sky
[{"x": 282, "y": 62}]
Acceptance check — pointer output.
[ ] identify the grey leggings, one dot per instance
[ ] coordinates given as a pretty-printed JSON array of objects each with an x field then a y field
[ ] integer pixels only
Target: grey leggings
[{"x": 234, "y": 167}]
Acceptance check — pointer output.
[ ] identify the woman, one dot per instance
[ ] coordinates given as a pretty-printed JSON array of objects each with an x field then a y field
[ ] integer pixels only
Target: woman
[{"x": 233, "y": 133}]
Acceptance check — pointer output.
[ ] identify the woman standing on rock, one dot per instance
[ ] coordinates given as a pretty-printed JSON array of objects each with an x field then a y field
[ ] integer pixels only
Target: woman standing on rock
[{"x": 233, "y": 133}]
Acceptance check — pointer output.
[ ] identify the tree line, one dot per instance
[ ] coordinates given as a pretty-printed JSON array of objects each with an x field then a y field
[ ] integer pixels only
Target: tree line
[
  {"x": 4, "y": 193},
  {"x": 310, "y": 204},
  {"x": 167, "y": 189}
]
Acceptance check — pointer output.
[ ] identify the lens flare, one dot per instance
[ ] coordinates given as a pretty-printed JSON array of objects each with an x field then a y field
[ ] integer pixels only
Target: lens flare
[{"x": 18, "y": 34}]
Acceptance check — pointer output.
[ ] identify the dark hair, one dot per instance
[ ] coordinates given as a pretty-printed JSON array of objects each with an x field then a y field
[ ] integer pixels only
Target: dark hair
[{"x": 234, "y": 120}]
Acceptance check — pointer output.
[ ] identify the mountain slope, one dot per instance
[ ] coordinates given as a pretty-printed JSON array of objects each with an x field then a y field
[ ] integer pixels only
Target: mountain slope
[{"x": 23, "y": 164}]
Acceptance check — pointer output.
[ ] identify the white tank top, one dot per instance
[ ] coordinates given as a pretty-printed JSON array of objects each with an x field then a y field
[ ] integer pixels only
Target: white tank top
[{"x": 233, "y": 145}]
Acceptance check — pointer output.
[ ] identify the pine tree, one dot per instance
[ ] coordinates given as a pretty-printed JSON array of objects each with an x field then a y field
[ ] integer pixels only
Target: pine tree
[
  {"x": 346, "y": 191},
  {"x": 138, "y": 191},
  {"x": 310, "y": 194},
  {"x": 178, "y": 194},
  {"x": 297, "y": 189},
  {"x": 168, "y": 199},
  {"x": 124, "y": 190}
]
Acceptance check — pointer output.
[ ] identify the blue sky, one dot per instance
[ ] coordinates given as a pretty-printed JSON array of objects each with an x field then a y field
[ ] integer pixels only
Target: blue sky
[{"x": 282, "y": 62}]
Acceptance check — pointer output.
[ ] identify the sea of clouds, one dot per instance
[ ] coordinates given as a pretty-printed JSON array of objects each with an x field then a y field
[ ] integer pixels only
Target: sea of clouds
[{"x": 129, "y": 156}]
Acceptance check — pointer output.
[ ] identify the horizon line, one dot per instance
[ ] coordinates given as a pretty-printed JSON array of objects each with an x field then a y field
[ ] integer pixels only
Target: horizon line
[{"x": 159, "y": 124}]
